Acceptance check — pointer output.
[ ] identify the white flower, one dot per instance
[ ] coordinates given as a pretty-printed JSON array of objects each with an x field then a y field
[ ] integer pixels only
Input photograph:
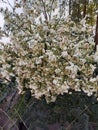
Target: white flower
[
  {"x": 92, "y": 80},
  {"x": 52, "y": 31},
  {"x": 73, "y": 68},
  {"x": 55, "y": 81},
  {"x": 22, "y": 63},
  {"x": 83, "y": 29},
  {"x": 38, "y": 61},
  {"x": 92, "y": 67},
  {"x": 73, "y": 76},
  {"x": 53, "y": 98},
  {"x": 52, "y": 58},
  {"x": 83, "y": 21},
  {"x": 4, "y": 73},
  {"x": 41, "y": 57},
  {"x": 49, "y": 52},
  {"x": 45, "y": 28},
  {"x": 83, "y": 60},
  {"x": 77, "y": 53},
  {"x": 57, "y": 71},
  {"x": 96, "y": 56},
  {"x": 65, "y": 48},
  {"x": 90, "y": 39},
  {"x": 64, "y": 54},
  {"x": 65, "y": 87}
]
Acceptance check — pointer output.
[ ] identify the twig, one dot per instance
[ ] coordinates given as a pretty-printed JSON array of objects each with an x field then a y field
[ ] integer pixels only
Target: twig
[
  {"x": 45, "y": 13},
  {"x": 51, "y": 9}
]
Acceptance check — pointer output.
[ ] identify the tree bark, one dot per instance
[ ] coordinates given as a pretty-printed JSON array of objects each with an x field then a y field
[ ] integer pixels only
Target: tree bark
[
  {"x": 70, "y": 7},
  {"x": 84, "y": 10},
  {"x": 96, "y": 35}
]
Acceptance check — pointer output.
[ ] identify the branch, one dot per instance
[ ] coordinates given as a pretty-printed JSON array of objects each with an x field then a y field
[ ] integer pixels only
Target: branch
[
  {"x": 51, "y": 9},
  {"x": 45, "y": 13},
  {"x": 96, "y": 35}
]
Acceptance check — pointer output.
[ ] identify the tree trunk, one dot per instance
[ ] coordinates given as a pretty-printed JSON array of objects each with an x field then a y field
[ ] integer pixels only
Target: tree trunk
[
  {"x": 70, "y": 7},
  {"x": 84, "y": 10},
  {"x": 96, "y": 35},
  {"x": 78, "y": 11}
]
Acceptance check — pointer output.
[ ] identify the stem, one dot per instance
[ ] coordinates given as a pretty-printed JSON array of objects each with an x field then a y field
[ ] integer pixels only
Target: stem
[
  {"x": 45, "y": 13},
  {"x": 51, "y": 9}
]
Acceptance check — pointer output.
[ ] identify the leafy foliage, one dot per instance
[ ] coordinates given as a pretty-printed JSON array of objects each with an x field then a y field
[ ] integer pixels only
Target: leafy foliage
[{"x": 50, "y": 57}]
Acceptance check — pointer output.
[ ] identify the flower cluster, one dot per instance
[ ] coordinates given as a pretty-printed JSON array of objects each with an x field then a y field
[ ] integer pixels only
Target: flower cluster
[{"x": 51, "y": 57}]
